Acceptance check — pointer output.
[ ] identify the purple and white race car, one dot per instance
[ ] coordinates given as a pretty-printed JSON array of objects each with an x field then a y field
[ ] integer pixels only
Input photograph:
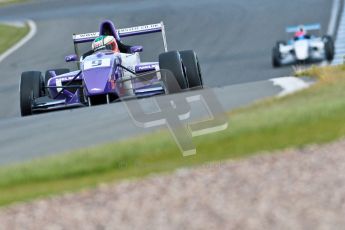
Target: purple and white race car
[{"x": 104, "y": 76}]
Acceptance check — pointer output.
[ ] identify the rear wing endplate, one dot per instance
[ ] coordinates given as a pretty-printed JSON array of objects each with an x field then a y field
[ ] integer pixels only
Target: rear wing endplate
[
  {"x": 126, "y": 32},
  {"x": 294, "y": 29}
]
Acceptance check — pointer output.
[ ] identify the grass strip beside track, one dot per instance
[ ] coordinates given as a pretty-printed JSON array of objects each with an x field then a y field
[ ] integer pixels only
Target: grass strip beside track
[
  {"x": 8, "y": 2},
  {"x": 315, "y": 115},
  {"x": 10, "y": 35}
]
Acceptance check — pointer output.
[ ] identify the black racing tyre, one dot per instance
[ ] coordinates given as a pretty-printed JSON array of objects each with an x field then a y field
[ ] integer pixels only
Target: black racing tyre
[
  {"x": 276, "y": 56},
  {"x": 193, "y": 72},
  {"x": 172, "y": 61},
  {"x": 329, "y": 47},
  {"x": 30, "y": 88},
  {"x": 47, "y": 76}
]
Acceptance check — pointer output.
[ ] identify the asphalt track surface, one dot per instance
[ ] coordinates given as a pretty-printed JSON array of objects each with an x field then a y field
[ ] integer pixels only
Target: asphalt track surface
[{"x": 232, "y": 38}]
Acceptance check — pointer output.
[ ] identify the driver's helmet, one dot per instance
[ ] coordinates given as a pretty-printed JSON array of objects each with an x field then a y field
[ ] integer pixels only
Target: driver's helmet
[
  {"x": 300, "y": 33},
  {"x": 105, "y": 43}
]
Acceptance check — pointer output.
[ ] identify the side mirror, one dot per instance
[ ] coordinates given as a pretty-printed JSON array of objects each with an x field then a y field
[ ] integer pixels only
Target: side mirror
[
  {"x": 70, "y": 58},
  {"x": 136, "y": 49}
]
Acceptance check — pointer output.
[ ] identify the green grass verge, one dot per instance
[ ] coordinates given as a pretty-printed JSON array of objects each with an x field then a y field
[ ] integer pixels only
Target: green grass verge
[
  {"x": 315, "y": 115},
  {"x": 9, "y": 35},
  {"x": 9, "y": 2}
]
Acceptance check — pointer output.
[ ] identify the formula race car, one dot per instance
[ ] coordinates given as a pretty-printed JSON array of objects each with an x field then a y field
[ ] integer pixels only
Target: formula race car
[
  {"x": 303, "y": 48},
  {"x": 104, "y": 76}
]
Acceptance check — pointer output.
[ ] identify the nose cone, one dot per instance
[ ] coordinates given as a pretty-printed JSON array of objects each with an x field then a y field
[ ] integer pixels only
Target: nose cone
[
  {"x": 302, "y": 50},
  {"x": 96, "y": 80}
]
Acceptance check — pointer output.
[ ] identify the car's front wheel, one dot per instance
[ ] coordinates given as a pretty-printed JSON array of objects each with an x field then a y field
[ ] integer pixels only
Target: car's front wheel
[
  {"x": 276, "y": 56},
  {"x": 30, "y": 88},
  {"x": 193, "y": 72},
  {"x": 172, "y": 62}
]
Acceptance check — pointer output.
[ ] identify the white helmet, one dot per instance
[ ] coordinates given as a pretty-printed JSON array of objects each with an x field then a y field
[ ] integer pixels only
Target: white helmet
[{"x": 105, "y": 43}]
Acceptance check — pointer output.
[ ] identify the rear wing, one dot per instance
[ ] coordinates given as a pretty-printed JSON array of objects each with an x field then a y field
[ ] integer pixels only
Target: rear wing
[
  {"x": 294, "y": 29},
  {"x": 126, "y": 32}
]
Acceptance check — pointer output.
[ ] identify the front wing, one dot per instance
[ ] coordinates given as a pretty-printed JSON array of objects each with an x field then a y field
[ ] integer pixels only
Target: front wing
[{"x": 289, "y": 58}]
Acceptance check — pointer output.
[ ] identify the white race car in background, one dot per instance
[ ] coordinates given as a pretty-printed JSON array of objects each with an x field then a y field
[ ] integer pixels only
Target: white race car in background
[{"x": 303, "y": 49}]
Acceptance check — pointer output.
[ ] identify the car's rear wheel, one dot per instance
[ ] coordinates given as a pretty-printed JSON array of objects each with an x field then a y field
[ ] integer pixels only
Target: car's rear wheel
[
  {"x": 329, "y": 47},
  {"x": 193, "y": 72},
  {"x": 48, "y": 76},
  {"x": 172, "y": 61},
  {"x": 30, "y": 88}
]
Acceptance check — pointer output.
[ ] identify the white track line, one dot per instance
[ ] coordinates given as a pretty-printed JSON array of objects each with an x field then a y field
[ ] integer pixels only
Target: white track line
[
  {"x": 339, "y": 42},
  {"x": 332, "y": 26},
  {"x": 33, "y": 30},
  {"x": 289, "y": 85}
]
